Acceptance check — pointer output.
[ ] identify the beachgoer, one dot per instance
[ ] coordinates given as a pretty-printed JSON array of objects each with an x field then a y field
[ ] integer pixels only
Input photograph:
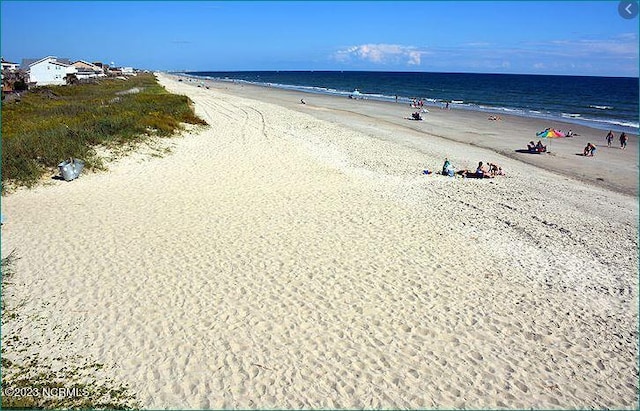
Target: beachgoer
[
  {"x": 481, "y": 172},
  {"x": 447, "y": 168},
  {"x": 589, "y": 150},
  {"x": 532, "y": 146},
  {"x": 623, "y": 140},
  {"x": 495, "y": 170},
  {"x": 540, "y": 147},
  {"x": 609, "y": 138},
  {"x": 302, "y": 101}
]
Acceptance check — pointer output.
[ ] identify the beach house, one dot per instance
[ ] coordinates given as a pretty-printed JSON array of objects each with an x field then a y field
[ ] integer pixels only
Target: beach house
[
  {"x": 12, "y": 77},
  {"x": 87, "y": 70},
  {"x": 50, "y": 71},
  {"x": 9, "y": 66}
]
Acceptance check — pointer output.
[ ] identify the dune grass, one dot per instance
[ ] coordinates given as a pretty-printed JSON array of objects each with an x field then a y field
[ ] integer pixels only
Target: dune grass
[
  {"x": 50, "y": 124},
  {"x": 32, "y": 382}
]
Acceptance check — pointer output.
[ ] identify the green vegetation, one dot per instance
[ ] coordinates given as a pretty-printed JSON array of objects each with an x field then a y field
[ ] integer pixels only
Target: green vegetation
[
  {"x": 6, "y": 267},
  {"x": 31, "y": 382},
  {"x": 51, "y": 124},
  {"x": 48, "y": 125}
]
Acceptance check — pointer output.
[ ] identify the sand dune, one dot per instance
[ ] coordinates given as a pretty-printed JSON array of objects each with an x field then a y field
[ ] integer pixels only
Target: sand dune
[{"x": 295, "y": 256}]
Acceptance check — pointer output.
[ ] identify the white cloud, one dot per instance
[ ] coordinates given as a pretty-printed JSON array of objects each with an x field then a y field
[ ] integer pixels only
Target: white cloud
[
  {"x": 414, "y": 58},
  {"x": 614, "y": 55},
  {"x": 589, "y": 47},
  {"x": 620, "y": 46},
  {"x": 381, "y": 54}
]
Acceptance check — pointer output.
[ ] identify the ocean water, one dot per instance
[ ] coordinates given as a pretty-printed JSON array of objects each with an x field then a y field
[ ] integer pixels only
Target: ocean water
[{"x": 607, "y": 103}]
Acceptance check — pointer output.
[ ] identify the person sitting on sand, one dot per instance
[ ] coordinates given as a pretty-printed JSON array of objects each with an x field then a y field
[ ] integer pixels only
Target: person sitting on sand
[
  {"x": 495, "y": 170},
  {"x": 481, "y": 172},
  {"x": 447, "y": 168},
  {"x": 540, "y": 147},
  {"x": 416, "y": 116},
  {"x": 589, "y": 150},
  {"x": 532, "y": 146}
]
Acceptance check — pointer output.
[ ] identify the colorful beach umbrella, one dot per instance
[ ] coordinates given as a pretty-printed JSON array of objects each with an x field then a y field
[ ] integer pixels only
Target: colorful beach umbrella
[{"x": 550, "y": 133}]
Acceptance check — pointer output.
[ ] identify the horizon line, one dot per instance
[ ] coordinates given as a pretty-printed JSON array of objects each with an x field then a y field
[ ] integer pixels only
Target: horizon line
[{"x": 398, "y": 71}]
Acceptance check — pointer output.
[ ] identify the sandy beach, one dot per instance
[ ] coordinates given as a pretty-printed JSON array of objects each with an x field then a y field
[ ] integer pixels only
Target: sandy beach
[{"x": 296, "y": 256}]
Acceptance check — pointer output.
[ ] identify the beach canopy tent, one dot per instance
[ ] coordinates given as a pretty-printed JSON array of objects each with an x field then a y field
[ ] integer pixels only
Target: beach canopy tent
[{"x": 550, "y": 133}]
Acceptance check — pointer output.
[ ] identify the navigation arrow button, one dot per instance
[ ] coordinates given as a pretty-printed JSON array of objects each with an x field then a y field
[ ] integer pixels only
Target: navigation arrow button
[{"x": 628, "y": 9}]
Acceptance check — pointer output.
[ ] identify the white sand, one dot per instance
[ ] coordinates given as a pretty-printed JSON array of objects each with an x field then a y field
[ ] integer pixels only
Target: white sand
[{"x": 297, "y": 258}]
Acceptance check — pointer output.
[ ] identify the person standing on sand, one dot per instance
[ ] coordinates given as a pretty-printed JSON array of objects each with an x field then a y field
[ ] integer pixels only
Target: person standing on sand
[
  {"x": 609, "y": 138},
  {"x": 623, "y": 140}
]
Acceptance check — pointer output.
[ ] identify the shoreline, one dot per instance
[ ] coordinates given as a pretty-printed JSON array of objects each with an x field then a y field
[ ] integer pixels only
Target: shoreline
[
  {"x": 615, "y": 169},
  {"x": 436, "y": 104},
  {"x": 294, "y": 256}
]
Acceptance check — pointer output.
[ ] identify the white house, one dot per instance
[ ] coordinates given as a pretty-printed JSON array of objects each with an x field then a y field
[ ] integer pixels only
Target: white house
[
  {"x": 7, "y": 65},
  {"x": 49, "y": 71}
]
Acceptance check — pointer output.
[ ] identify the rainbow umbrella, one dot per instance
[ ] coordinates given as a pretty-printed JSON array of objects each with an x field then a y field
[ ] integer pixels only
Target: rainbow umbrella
[{"x": 550, "y": 133}]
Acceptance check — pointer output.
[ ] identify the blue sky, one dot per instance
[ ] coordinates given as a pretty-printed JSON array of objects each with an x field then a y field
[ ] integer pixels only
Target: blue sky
[{"x": 554, "y": 37}]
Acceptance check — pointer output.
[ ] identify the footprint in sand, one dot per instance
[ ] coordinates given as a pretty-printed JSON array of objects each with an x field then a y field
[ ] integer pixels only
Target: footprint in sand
[{"x": 521, "y": 386}]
